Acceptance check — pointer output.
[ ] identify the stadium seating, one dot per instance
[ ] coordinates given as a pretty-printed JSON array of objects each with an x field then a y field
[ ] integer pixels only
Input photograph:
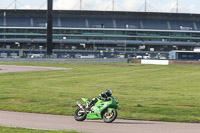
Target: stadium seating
[
  {"x": 56, "y": 23},
  {"x": 181, "y": 25},
  {"x": 128, "y": 23},
  {"x": 18, "y": 21},
  {"x": 72, "y": 22},
  {"x": 1, "y": 21},
  {"x": 100, "y": 23},
  {"x": 95, "y": 22},
  {"x": 198, "y": 25},
  {"x": 39, "y": 22},
  {"x": 155, "y": 24}
]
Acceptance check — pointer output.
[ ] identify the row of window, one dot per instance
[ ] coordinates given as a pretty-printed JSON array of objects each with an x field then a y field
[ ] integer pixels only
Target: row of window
[
  {"x": 105, "y": 32},
  {"x": 99, "y": 38},
  {"x": 87, "y": 34}
]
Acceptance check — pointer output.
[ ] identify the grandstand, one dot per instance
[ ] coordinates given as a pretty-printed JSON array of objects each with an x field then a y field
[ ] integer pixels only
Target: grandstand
[{"x": 107, "y": 34}]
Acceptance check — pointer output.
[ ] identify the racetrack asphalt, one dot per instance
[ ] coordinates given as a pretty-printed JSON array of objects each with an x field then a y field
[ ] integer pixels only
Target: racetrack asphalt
[{"x": 57, "y": 122}]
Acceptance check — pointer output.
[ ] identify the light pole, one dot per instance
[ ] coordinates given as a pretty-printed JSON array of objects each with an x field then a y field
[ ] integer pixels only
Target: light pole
[{"x": 49, "y": 44}]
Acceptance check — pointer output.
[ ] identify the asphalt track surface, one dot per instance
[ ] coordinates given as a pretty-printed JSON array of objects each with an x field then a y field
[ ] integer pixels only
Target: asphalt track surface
[{"x": 57, "y": 122}]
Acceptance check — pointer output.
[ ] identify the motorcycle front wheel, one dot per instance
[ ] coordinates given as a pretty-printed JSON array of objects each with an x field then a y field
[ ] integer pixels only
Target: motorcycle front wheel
[
  {"x": 79, "y": 115},
  {"x": 109, "y": 117}
]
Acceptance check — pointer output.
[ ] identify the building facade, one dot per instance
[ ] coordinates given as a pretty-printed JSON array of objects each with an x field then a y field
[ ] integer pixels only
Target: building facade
[{"x": 100, "y": 33}]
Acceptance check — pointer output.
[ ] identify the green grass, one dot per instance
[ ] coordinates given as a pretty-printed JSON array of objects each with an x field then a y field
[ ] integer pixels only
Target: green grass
[
  {"x": 146, "y": 92},
  {"x": 24, "y": 130}
]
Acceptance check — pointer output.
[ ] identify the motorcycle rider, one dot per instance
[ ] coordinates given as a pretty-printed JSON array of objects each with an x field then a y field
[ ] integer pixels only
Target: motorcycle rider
[{"x": 102, "y": 96}]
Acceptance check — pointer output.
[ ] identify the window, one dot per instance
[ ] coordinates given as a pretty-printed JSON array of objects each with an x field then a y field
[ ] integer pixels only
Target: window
[
  {"x": 190, "y": 56},
  {"x": 184, "y": 56}
]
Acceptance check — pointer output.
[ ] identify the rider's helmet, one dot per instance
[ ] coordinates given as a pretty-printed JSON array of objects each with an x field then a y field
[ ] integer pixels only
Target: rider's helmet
[{"x": 108, "y": 93}]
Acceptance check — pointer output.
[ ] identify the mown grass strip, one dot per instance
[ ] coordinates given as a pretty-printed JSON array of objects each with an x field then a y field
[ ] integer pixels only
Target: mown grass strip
[{"x": 25, "y": 130}]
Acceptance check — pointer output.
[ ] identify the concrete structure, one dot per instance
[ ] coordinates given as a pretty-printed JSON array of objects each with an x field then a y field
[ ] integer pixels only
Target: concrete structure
[{"x": 184, "y": 55}]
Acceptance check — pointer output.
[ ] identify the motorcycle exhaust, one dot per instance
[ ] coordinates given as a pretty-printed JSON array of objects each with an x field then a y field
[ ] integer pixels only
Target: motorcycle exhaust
[{"x": 79, "y": 104}]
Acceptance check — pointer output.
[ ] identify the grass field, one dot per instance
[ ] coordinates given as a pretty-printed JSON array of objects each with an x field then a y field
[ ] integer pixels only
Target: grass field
[
  {"x": 24, "y": 130},
  {"x": 146, "y": 92}
]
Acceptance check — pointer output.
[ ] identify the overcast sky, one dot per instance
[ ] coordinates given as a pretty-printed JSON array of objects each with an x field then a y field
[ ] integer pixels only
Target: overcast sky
[{"x": 185, "y": 6}]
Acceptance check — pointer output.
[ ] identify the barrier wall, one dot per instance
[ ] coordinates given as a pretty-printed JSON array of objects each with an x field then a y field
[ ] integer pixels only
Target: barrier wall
[
  {"x": 97, "y": 60},
  {"x": 44, "y": 60},
  {"x": 156, "y": 62},
  {"x": 183, "y": 62},
  {"x": 165, "y": 62}
]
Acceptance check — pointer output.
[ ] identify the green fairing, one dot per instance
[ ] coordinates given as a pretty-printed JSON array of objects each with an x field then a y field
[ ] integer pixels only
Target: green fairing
[
  {"x": 106, "y": 110},
  {"x": 85, "y": 100},
  {"x": 100, "y": 107}
]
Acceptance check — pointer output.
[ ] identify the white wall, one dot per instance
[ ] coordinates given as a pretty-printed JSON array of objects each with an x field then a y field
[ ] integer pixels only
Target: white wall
[{"x": 156, "y": 62}]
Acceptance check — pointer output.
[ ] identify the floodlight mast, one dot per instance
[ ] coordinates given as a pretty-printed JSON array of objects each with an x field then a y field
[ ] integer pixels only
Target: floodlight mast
[{"x": 49, "y": 44}]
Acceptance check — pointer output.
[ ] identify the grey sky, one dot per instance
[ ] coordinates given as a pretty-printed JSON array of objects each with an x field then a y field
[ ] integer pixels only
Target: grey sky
[{"x": 185, "y": 6}]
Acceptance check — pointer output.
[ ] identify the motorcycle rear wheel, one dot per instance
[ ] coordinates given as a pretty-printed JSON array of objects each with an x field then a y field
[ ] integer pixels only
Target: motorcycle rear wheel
[
  {"x": 79, "y": 115},
  {"x": 108, "y": 118}
]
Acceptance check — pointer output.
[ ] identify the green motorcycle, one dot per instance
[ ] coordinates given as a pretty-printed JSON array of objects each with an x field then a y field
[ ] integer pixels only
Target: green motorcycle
[{"x": 106, "y": 110}]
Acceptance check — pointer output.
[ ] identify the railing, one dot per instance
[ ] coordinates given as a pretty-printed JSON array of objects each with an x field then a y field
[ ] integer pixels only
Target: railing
[{"x": 79, "y": 50}]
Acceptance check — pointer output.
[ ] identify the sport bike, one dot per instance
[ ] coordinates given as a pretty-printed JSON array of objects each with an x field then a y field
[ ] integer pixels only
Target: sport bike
[{"x": 106, "y": 110}]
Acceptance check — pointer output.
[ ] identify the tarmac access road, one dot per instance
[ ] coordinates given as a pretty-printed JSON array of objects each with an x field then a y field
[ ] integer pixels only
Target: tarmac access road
[
  {"x": 57, "y": 122},
  {"x": 15, "y": 68}
]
